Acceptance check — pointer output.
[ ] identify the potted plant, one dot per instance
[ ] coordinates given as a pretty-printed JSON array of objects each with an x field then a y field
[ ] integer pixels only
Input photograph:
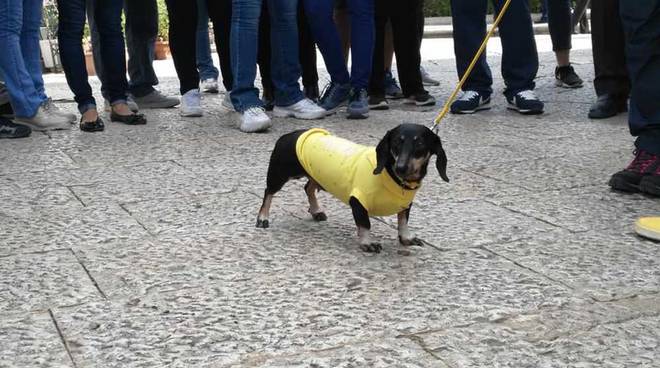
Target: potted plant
[
  {"x": 162, "y": 47},
  {"x": 89, "y": 56}
]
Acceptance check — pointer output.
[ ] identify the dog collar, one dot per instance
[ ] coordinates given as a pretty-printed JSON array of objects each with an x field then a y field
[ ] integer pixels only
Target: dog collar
[{"x": 402, "y": 183}]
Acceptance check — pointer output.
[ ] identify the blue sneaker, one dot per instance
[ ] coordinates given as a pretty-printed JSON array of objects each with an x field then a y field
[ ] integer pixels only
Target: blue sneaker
[
  {"x": 334, "y": 96},
  {"x": 392, "y": 89},
  {"x": 358, "y": 104},
  {"x": 470, "y": 102},
  {"x": 526, "y": 102}
]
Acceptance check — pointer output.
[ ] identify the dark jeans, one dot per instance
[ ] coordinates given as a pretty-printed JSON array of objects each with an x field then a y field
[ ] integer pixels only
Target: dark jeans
[
  {"x": 141, "y": 32},
  {"x": 641, "y": 25},
  {"x": 307, "y": 51},
  {"x": 405, "y": 32},
  {"x": 611, "y": 75},
  {"x": 321, "y": 22},
  {"x": 205, "y": 65},
  {"x": 559, "y": 24},
  {"x": 519, "y": 56},
  {"x": 69, "y": 34}
]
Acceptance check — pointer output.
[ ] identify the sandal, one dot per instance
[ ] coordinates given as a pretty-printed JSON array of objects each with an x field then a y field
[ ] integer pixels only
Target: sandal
[
  {"x": 133, "y": 119},
  {"x": 92, "y": 126}
]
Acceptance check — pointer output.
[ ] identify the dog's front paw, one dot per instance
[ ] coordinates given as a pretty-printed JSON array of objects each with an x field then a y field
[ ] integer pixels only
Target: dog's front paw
[
  {"x": 417, "y": 242},
  {"x": 263, "y": 224},
  {"x": 319, "y": 216},
  {"x": 371, "y": 247}
]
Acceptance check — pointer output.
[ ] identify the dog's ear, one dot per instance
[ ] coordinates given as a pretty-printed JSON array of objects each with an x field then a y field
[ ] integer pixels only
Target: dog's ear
[
  {"x": 382, "y": 152},
  {"x": 441, "y": 157}
]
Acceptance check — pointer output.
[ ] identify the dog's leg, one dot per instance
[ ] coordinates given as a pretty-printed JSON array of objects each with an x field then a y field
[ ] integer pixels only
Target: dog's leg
[
  {"x": 314, "y": 209},
  {"x": 264, "y": 211},
  {"x": 361, "y": 217},
  {"x": 405, "y": 237}
]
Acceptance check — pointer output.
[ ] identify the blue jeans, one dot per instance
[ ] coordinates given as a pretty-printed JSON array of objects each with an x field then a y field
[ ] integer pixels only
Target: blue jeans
[
  {"x": 141, "y": 33},
  {"x": 204, "y": 59},
  {"x": 69, "y": 34},
  {"x": 519, "y": 56},
  {"x": 20, "y": 63},
  {"x": 319, "y": 16},
  {"x": 641, "y": 25},
  {"x": 244, "y": 44}
]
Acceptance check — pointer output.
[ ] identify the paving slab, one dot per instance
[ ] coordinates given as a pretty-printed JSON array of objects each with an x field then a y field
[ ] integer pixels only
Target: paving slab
[
  {"x": 304, "y": 308},
  {"x": 605, "y": 264},
  {"x": 41, "y": 281},
  {"x": 31, "y": 340},
  {"x": 597, "y": 335},
  {"x": 62, "y": 229},
  {"x": 583, "y": 209}
]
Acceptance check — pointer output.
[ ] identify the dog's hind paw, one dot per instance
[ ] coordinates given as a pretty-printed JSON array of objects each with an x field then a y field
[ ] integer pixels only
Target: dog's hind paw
[
  {"x": 417, "y": 242},
  {"x": 319, "y": 216},
  {"x": 371, "y": 247},
  {"x": 262, "y": 223}
]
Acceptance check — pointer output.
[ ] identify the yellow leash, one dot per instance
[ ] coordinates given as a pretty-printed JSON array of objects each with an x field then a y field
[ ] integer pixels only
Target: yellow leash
[{"x": 445, "y": 109}]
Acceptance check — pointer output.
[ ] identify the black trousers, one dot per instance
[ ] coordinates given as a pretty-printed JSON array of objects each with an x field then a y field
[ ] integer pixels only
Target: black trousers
[
  {"x": 611, "y": 76},
  {"x": 182, "y": 33},
  {"x": 183, "y": 45},
  {"x": 307, "y": 51},
  {"x": 560, "y": 24},
  {"x": 404, "y": 16},
  {"x": 641, "y": 25},
  {"x": 220, "y": 16}
]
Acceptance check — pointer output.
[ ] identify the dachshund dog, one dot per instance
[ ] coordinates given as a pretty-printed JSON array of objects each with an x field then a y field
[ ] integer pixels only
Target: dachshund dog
[{"x": 380, "y": 181}]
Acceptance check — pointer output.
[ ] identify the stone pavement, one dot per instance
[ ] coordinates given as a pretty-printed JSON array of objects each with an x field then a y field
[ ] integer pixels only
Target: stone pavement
[{"x": 136, "y": 247}]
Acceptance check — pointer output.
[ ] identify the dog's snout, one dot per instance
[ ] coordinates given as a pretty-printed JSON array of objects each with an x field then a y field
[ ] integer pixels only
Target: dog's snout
[{"x": 401, "y": 167}]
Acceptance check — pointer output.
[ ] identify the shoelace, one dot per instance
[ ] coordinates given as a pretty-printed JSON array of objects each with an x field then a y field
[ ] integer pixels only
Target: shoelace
[
  {"x": 193, "y": 99},
  {"x": 329, "y": 91},
  {"x": 306, "y": 103},
  {"x": 527, "y": 95},
  {"x": 254, "y": 111},
  {"x": 48, "y": 105},
  {"x": 359, "y": 95},
  {"x": 642, "y": 161},
  {"x": 468, "y": 95}
]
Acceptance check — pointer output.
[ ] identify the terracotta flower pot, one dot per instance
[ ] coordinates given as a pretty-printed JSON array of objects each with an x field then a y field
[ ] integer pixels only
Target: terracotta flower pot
[
  {"x": 162, "y": 50},
  {"x": 89, "y": 63}
]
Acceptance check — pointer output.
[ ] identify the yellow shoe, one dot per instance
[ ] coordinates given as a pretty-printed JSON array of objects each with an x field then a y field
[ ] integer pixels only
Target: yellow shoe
[{"x": 648, "y": 227}]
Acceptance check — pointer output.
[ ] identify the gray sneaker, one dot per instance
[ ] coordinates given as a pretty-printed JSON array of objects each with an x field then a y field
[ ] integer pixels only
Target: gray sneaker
[
  {"x": 50, "y": 108},
  {"x": 129, "y": 101},
  {"x": 156, "y": 100},
  {"x": 427, "y": 80},
  {"x": 44, "y": 120}
]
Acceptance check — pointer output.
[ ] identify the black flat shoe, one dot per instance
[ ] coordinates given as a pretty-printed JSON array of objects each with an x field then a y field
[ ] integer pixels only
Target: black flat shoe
[
  {"x": 92, "y": 126},
  {"x": 134, "y": 119},
  {"x": 607, "y": 106}
]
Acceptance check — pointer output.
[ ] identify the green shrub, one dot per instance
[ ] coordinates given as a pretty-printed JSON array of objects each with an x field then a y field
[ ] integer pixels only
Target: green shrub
[{"x": 163, "y": 21}]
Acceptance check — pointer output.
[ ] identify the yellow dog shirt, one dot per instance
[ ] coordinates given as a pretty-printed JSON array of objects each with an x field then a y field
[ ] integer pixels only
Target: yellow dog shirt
[{"x": 345, "y": 169}]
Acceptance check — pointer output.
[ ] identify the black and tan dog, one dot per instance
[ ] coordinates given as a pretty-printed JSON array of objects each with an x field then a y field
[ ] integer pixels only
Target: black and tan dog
[{"x": 354, "y": 174}]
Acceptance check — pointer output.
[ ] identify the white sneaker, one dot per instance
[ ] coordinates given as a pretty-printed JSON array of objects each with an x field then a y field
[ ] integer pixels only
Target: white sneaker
[
  {"x": 50, "y": 108},
  {"x": 303, "y": 109},
  {"x": 254, "y": 120},
  {"x": 227, "y": 104},
  {"x": 210, "y": 85},
  {"x": 129, "y": 101},
  {"x": 191, "y": 104},
  {"x": 45, "y": 121}
]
